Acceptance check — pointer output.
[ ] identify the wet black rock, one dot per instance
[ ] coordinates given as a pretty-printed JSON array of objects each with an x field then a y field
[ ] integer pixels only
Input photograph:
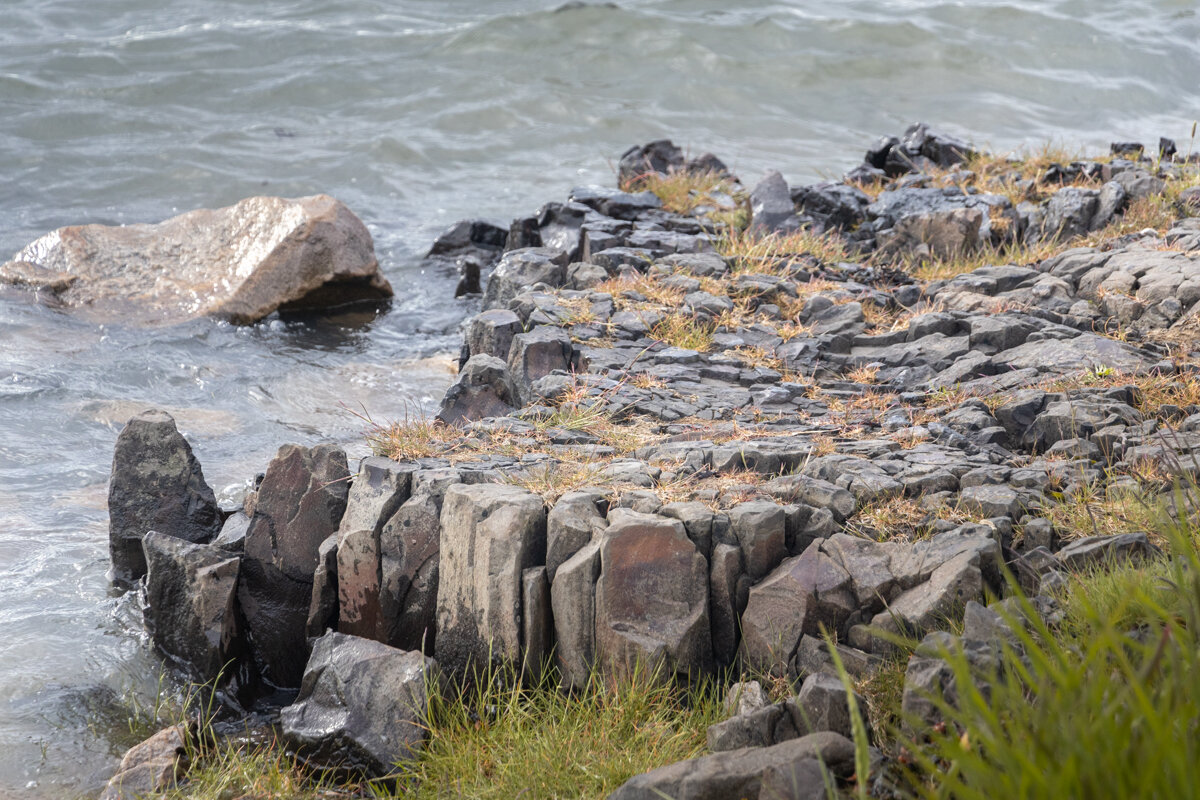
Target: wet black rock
[
  {"x": 300, "y": 504},
  {"x": 191, "y": 594}
]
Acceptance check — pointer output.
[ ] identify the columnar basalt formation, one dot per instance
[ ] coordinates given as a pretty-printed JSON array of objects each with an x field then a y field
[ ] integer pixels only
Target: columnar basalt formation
[{"x": 702, "y": 437}]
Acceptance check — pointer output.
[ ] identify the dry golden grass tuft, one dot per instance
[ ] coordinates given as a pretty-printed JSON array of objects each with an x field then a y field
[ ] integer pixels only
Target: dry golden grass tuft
[
  {"x": 944, "y": 267},
  {"x": 890, "y": 519},
  {"x": 685, "y": 331},
  {"x": 774, "y": 254},
  {"x": 897, "y": 318},
  {"x": 864, "y": 374},
  {"x": 754, "y": 356},
  {"x": 415, "y": 437},
  {"x": 646, "y": 380},
  {"x": 1106, "y": 511},
  {"x": 686, "y": 191},
  {"x": 551, "y": 481},
  {"x": 656, "y": 294}
]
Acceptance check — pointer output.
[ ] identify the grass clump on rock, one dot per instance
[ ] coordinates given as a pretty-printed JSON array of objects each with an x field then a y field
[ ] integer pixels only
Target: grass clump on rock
[
  {"x": 1104, "y": 704},
  {"x": 502, "y": 740}
]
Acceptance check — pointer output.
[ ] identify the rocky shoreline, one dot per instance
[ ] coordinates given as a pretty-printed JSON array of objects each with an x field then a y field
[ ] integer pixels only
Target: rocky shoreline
[{"x": 696, "y": 429}]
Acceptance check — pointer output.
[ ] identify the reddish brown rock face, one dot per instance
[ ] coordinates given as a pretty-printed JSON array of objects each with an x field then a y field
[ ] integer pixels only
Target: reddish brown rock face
[
  {"x": 239, "y": 263},
  {"x": 652, "y": 598}
]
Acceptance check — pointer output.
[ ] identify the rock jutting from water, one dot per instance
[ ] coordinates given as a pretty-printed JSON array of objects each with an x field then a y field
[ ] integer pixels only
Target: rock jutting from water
[
  {"x": 240, "y": 264},
  {"x": 667, "y": 451}
]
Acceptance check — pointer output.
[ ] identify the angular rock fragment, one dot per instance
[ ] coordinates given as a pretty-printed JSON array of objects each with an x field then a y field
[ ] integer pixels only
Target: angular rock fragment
[
  {"x": 1121, "y": 547},
  {"x": 740, "y": 773},
  {"x": 522, "y": 268},
  {"x": 362, "y": 706},
  {"x": 483, "y": 389},
  {"x": 661, "y": 156},
  {"x": 191, "y": 593},
  {"x": 151, "y": 766},
  {"x": 573, "y": 604},
  {"x": 300, "y": 505},
  {"x": 156, "y": 484},
  {"x": 323, "y": 607},
  {"x": 803, "y": 594},
  {"x": 771, "y": 207},
  {"x": 535, "y": 355}
]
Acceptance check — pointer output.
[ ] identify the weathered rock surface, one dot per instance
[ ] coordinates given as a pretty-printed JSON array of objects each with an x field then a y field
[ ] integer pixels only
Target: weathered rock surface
[
  {"x": 156, "y": 484},
  {"x": 379, "y": 489},
  {"x": 484, "y": 388},
  {"x": 490, "y": 534},
  {"x": 300, "y": 504},
  {"x": 839, "y": 580},
  {"x": 240, "y": 263},
  {"x": 362, "y": 705},
  {"x": 522, "y": 268},
  {"x": 151, "y": 766},
  {"x": 651, "y": 598},
  {"x": 191, "y": 594},
  {"x": 409, "y": 546}
]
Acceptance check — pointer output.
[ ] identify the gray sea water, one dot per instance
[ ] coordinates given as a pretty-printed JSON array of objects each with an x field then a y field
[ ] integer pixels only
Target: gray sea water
[{"x": 417, "y": 113}]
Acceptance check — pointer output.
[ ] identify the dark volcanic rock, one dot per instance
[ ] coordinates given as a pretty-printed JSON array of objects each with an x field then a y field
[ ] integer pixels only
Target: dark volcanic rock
[
  {"x": 658, "y": 156},
  {"x": 409, "y": 545},
  {"x": 379, "y": 489},
  {"x": 490, "y": 534},
  {"x": 615, "y": 203},
  {"x": 156, "y": 484},
  {"x": 484, "y": 389},
  {"x": 651, "y": 598},
  {"x": 519, "y": 269},
  {"x": 300, "y": 505},
  {"x": 191, "y": 591},
  {"x": 831, "y": 206},
  {"x": 771, "y": 208},
  {"x": 362, "y": 705},
  {"x": 741, "y": 773}
]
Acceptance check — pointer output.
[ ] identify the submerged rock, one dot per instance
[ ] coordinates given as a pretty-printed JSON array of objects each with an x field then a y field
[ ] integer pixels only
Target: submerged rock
[{"x": 240, "y": 263}]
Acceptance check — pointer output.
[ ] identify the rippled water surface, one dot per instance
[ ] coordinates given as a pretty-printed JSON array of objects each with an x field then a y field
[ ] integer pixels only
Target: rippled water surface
[{"x": 416, "y": 114}]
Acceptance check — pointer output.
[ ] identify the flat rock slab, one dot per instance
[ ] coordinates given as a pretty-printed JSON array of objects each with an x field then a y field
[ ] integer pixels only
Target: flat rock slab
[
  {"x": 738, "y": 773},
  {"x": 240, "y": 263},
  {"x": 362, "y": 705}
]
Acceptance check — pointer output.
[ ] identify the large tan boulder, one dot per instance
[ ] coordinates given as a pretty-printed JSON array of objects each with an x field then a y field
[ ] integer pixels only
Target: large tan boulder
[{"x": 239, "y": 263}]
